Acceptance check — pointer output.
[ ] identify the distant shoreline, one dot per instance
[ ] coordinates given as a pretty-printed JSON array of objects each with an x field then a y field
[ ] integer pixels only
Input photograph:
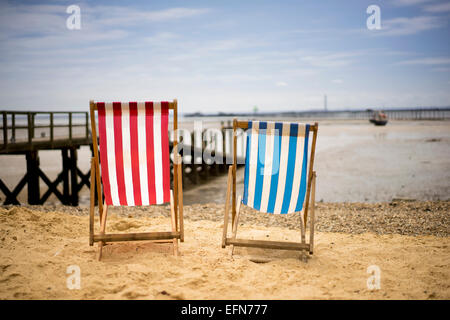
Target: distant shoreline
[{"x": 419, "y": 113}]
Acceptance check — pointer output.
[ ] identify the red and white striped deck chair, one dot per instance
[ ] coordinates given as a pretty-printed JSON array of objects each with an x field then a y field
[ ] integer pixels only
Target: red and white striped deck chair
[{"x": 133, "y": 154}]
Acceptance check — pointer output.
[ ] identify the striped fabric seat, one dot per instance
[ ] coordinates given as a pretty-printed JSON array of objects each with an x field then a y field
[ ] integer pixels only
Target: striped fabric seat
[
  {"x": 134, "y": 152},
  {"x": 275, "y": 166}
]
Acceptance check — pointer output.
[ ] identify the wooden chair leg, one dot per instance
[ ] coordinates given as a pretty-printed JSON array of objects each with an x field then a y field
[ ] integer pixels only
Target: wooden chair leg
[
  {"x": 174, "y": 226},
  {"x": 312, "y": 217},
  {"x": 102, "y": 230},
  {"x": 227, "y": 205},
  {"x": 92, "y": 204},
  {"x": 302, "y": 228},
  {"x": 180, "y": 204},
  {"x": 236, "y": 221}
]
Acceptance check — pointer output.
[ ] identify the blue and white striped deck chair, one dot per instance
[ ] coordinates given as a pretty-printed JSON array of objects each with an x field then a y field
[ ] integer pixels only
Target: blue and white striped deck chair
[{"x": 277, "y": 178}]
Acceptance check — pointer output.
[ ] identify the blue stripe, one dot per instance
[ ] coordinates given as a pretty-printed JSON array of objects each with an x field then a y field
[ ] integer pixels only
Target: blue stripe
[
  {"x": 247, "y": 162},
  {"x": 302, "y": 192},
  {"x": 275, "y": 167},
  {"x": 261, "y": 156},
  {"x": 290, "y": 167}
]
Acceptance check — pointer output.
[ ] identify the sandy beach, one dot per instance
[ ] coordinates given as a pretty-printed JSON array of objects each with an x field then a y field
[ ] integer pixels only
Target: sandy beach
[
  {"x": 382, "y": 200},
  {"x": 38, "y": 244}
]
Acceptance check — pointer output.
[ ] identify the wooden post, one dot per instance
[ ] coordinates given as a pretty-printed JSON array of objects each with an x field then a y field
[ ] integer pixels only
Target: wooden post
[
  {"x": 97, "y": 167},
  {"x": 180, "y": 206},
  {"x": 13, "y": 127},
  {"x": 195, "y": 172},
  {"x": 73, "y": 177},
  {"x": 5, "y": 129},
  {"x": 310, "y": 174},
  {"x": 183, "y": 169},
  {"x": 70, "y": 126},
  {"x": 312, "y": 217},
  {"x": 65, "y": 173},
  {"x": 173, "y": 223},
  {"x": 235, "y": 224},
  {"x": 33, "y": 117},
  {"x": 87, "y": 125},
  {"x": 175, "y": 160},
  {"x": 30, "y": 128},
  {"x": 102, "y": 230},
  {"x": 51, "y": 127},
  {"x": 33, "y": 177},
  {"x": 227, "y": 205},
  {"x": 92, "y": 204}
]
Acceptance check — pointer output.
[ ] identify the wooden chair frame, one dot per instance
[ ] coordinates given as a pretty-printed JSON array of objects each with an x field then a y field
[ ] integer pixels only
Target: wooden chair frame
[
  {"x": 309, "y": 204},
  {"x": 176, "y": 197}
]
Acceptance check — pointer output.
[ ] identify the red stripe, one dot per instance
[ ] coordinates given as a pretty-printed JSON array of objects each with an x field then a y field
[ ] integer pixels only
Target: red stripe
[
  {"x": 165, "y": 149},
  {"x": 150, "y": 152},
  {"x": 117, "y": 109},
  {"x": 135, "y": 153},
  {"x": 104, "y": 152}
]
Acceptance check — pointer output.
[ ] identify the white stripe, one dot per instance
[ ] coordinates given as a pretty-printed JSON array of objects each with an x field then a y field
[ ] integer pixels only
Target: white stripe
[
  {"x": 253, "y": 162},
  {"x": 126, "y": 147},
  {"x": 111, "y": 154},
  {"x": 268, "y": 161},
  {"x": 283, "y": 167},
  {"x": 158, "y": 152},
  {"x": 142, "y": 147},
  {"x": 243, "y": 143},
  {"x": 298, "y": 167}
]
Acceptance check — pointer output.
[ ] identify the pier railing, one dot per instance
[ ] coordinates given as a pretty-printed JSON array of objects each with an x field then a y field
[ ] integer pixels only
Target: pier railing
[
  {"x": 19, "y": 129},
  {"x": 27, "y": 133}
]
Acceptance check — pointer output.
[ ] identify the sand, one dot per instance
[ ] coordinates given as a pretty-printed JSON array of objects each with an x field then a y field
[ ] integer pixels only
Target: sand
[
  {"x": 37, "y": 247},
  {"x": 360, "y": 169}
]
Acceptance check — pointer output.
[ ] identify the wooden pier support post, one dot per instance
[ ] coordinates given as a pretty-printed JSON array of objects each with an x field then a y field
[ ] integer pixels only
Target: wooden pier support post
[
  {"x": 73, "y": 177},
  {"x": 5, "y": 129},
  {"x": 195, "y": 172},
  {"x": 33, "y": 177},
  {"x": 65, "y": 173}
]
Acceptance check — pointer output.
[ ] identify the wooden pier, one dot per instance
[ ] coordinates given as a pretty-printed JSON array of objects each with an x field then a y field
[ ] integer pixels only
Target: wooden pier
[{"x": 20, "y": 136}]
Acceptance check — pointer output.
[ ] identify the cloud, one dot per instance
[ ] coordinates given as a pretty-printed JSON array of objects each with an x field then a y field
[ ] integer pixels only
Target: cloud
[
  {"x": 441, "y": 69},
  {"x": 409, "y": 26},
  {"x": 20, "y": 20},
  {"x": 281, "y": 84},
  {"x": 331, "y": 60},
  {"x": 402, "y": 3},
  {"x": 426, "y": 61},
  {"x": 438, "y": 8},
  {"x": 118, "y": 15},
  {"x": 337, "y": 81}
]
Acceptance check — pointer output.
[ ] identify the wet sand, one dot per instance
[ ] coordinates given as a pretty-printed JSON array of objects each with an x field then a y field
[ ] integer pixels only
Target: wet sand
[{"x": 358, "y": 162}]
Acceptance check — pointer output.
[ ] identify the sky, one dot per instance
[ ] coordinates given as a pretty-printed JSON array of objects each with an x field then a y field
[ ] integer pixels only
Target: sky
[{"x": 225, "y": 56}]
